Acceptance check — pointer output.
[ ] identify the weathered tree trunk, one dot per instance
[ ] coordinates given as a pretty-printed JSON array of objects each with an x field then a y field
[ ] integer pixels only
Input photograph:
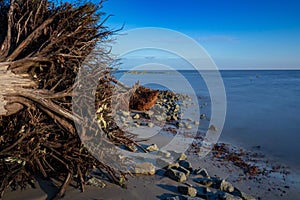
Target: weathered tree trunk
[{"x": 10, "y": 85}]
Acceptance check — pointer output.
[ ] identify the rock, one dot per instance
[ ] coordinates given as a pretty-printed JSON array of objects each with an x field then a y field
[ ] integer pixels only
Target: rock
[
  {"x": 96, "y": 182},
  {"x": 173, "y": 166},
  {"x": 247, "y": 196},
  {"x": 186, "y": 164},
  {"x": 125, "y": 113},
  {"x": 150, "y": 125},
  {"x": 159, "y": 118},
  {"x": 179, "y": 124},
  {"x": 226, "y": 196},
  {"x": 205, "y": 181},
  {"x": 213, "y": 128},
  {"x": 203, "y": 191},
  {"x": 144, "y": 169},
  {"x": 136, "y": 116},
  {"x": 175, "y": 175},
  {"x": 202, "y": 116},
  {"x": 182, "y": 157},
  {"x": 202, "y": 172},
  {"x": 174, "y": 118},
  {"x": 183, "y": 197},
  {"x": 184, "y": 170},
  {"x": 163, "y": 163},
  {"x": 165, "y": 154},
  {"x": 123, "y": 119},
  {"x": 188, "y": 126},
  {"x": 190, "y": 191},
  {"x": 226, "y": 186},
  {"x": 149, "y": 113},
  {"x": 197, "y": 123},
  {"x": 136, "y": 125},
  {"x": 152, "y": 147}
]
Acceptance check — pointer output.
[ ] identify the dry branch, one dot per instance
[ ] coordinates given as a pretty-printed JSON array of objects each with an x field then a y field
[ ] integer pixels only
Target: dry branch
[{"x": 42, "y": 46}]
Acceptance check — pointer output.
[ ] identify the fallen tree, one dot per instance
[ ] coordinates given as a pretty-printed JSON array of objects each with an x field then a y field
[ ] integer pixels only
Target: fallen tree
[{"x": 42, "y": 46}]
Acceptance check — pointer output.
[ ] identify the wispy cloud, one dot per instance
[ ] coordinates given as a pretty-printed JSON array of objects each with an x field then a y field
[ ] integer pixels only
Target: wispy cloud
[{"x": 218, "y": 39}]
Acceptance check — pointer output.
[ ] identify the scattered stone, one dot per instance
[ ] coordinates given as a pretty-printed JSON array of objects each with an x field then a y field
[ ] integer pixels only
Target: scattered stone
[
  {"x": 149, "y": 113},
  {"x": 213, "y": 128},
  {"x": 190, "y": 191},
  {"x": 136, "y": 125},
  {"x": 184, "y": 170},
  {"x": 197, "y": 123},
  {"x": 182, "y": 157},
  {"x": 96, "y": 182},
  {"x": 179, "y": 124},
  {"x": 208, "y": 182},
  {"x": 159, "y": 118},
  {"x": 136, "y": 116},
  {"x": 175, "y": 175},
  {"x": 174, "y": 117},
  {"x": 226, "y": 196},
  {"x": 165, "y": 154},
  {"x": 226, "y": 186},
  {"x": 144, "y": 169},
  {"x": 173, "y": 166},
  {"x": 183, "y": 197},
  {"x": 152, "y": 147},
  {"x": 125, "y": 113},
  {"x": 247, "y": 196},
  {"x": 202, "y": 116},
  {"x": 186, "y": 164},
  {"x": 150, "y": 125},
  {"x": 202, "y": 172},
  {"x": 188, "y": 126},
  {"x": 163, "y": 163}
]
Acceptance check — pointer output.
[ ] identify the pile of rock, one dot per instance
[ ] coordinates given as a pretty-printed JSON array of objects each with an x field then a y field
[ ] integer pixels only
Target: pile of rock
[{"x": 204, "y": 186}]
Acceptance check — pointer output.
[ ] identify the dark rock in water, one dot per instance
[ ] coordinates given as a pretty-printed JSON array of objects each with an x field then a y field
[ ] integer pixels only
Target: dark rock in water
[
  {"x": 213, "y": 128},
  {"x": 202, "y": 116},
  {"x": 187, "y": 165},
  {"x": 175, "y": 175},
  {"x": 190, "y": 191}
]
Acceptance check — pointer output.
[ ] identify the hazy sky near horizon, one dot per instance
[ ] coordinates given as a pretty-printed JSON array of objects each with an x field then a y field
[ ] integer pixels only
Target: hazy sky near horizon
[{"x": 235, "y": 33}]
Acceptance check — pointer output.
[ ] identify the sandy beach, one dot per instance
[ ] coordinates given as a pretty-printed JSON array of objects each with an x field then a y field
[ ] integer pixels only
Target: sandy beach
[{"x": 277, "y": 182}]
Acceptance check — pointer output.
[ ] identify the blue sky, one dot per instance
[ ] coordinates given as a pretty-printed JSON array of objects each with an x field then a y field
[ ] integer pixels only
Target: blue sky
[{"x": 236, "y": 33}]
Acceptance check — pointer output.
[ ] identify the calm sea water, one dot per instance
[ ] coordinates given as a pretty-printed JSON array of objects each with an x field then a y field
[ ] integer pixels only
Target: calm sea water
[{"x": 263, "y": 107}]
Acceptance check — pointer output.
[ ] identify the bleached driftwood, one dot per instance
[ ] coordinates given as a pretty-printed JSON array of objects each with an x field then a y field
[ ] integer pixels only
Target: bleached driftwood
[{"x": 10, "y": 85}]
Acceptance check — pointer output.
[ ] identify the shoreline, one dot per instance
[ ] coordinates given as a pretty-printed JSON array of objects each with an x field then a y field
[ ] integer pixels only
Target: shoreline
[{"x": 277, "y": 184}]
